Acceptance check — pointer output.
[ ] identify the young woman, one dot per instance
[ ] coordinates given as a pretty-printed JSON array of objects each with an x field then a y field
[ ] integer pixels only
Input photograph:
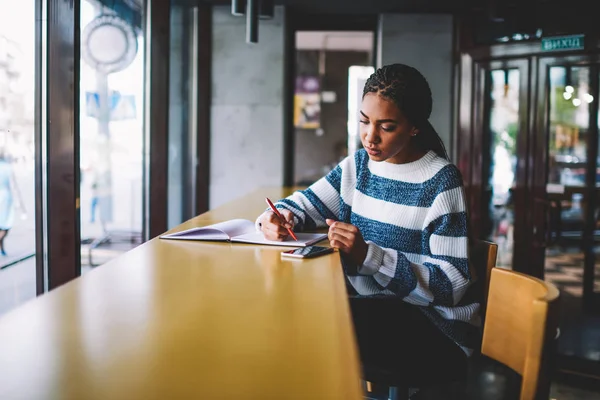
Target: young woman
[
  {"x": 396, "y": 211},
  {"x": 8, "y": 192}
]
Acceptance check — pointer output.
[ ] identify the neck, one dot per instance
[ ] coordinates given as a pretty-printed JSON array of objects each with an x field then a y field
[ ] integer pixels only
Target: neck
[{"x": 407, "y": 155}]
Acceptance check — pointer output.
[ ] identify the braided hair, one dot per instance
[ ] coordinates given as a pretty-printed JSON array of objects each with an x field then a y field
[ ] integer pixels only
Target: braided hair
[{"x": 409, "y": 90}]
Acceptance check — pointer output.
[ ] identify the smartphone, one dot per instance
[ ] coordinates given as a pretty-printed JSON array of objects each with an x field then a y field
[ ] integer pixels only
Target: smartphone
[{"x": 307, "y": 252}]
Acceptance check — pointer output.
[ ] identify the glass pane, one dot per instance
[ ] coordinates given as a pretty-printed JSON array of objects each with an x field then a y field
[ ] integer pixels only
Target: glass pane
[
  {"x": 569, "y": 134},
  {"x": 17, "y": 112},
  {"x": 183, "y": 103},
  {"x": 111, "y": 147},
  {"x": 503, "y": 128},
  {"x": 569, "y": 123},
  {"x": 596, "y": 253},
  {"x": 569, "y": 114}
]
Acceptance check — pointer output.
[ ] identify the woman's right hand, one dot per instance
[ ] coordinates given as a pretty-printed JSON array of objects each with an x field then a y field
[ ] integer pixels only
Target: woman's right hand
[{"x": 273, "y": 228}]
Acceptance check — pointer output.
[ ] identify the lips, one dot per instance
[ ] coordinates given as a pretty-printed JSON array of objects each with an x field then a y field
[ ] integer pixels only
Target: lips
[{"x": 373, "y": 152}]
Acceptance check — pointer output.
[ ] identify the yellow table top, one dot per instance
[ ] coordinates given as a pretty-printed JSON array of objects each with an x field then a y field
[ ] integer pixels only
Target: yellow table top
[{"x": 188, "y": 320}]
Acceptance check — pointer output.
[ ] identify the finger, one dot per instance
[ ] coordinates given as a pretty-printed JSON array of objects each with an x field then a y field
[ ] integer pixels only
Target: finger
[
  {"x": 273, "y": 219},
  {"x": 329, "y": 222},
  {"x": 289, "y": 218},
  {"x": 276, "y": 229},
  {"x": 275, "y": 234},
  {"x": 341, "y": 233},
  {"x": 268, "y": 234},
  {"x": 344, "y": 226},
  {"x": 276, "y": 224},
  {"x": 340, "y": 238},
  {"x": 339, "y": 245},
  {"x": 270, "y": 226}
]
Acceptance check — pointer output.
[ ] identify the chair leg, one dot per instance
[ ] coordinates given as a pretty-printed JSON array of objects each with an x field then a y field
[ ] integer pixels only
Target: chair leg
[
  {"x": 398, "y": 393},
  {"x": 373, "y": 391}
]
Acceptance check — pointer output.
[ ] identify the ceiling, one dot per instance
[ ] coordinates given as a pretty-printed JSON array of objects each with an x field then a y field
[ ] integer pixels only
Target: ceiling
[
  {"x": 334, "y": 40},
  {"x": 490, "y": 9},
  {"x": 369, "y": 6}
]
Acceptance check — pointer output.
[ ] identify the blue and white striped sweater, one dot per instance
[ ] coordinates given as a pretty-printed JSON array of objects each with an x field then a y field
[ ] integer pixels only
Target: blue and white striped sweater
[{"x": 413, "y": 218}]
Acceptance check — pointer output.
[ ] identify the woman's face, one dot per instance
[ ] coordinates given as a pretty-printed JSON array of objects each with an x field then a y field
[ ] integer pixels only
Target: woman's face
[{"x": 385, "y": 132}]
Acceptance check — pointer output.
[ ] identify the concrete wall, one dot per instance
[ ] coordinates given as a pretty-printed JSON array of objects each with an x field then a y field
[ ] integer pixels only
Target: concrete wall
[
  {"x": 247, "y": 92},
  {"x": 247, "y": 106},
  {"x": 423, "y": 42}
]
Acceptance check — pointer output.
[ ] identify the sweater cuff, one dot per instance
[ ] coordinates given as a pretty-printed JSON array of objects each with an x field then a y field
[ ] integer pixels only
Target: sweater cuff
[{"x": 373, "y": 260}]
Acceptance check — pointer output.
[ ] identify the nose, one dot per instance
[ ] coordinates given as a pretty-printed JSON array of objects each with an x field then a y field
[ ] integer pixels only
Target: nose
[{"x": 371, "y": 135}]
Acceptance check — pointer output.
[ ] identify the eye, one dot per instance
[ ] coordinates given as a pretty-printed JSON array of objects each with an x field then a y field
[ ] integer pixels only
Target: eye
[
  {"x": 388, "y": 128},
  {"x": 364, "y": 122}
]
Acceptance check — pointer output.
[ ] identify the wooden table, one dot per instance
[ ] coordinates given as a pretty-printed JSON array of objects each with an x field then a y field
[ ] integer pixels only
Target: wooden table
[{"x": 188, "y": 320}]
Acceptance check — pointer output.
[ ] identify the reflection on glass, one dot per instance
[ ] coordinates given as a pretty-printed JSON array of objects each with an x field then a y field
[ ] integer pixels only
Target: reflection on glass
[
  {"x": 569, "y": 114},
  {"x": 183, "y": 105},
  {"x": 569, "y": 123},
  {"x": 111, "y": 142},
  {"x": 504, "y": 123},
  {"x": 596, "y": 254},
  {"x": 17, "y": 112},
  {"x": 570, "y": 98}
]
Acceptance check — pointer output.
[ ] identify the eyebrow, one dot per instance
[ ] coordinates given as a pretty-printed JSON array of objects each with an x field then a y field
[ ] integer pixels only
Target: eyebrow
[{"x": 381, "y": 121}]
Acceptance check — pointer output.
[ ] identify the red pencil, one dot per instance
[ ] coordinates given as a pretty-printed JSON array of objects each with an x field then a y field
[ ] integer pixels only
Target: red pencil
[{"x": 276, "y": 211}]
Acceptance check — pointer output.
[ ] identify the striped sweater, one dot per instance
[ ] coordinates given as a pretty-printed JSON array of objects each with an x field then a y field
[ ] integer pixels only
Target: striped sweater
[{"x": 413, "y": 218}]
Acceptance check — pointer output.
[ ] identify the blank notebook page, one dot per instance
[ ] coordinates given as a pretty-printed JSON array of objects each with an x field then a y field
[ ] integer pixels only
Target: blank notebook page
[{"x": 304, "y": 239}]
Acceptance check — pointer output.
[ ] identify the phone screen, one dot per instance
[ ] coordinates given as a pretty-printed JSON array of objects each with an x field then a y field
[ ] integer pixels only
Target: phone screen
[{"x": 308, "y": 251}]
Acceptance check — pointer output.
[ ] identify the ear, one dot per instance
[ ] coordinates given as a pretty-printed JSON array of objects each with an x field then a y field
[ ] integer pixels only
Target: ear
[{"x": 414, "y": 131}]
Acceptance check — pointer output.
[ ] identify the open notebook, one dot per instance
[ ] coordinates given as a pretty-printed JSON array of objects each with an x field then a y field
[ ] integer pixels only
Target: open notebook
[{"x": 242, "y": 231}]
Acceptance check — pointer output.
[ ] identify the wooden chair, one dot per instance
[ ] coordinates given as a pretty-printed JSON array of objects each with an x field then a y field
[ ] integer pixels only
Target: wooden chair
[
  {"x": 521, "y": 328},
  {"x": 483, "y": 256}
]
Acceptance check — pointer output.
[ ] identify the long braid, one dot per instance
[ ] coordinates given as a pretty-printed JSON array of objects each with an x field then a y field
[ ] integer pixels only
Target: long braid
[{"x": 409, "y": 90}]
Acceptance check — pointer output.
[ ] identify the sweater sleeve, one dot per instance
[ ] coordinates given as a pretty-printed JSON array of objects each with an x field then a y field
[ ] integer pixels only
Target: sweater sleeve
[{"x": 438, "y": 276}]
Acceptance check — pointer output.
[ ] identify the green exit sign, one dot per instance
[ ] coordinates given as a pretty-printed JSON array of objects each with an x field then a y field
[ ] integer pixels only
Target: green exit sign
[{"x": 558, "y": 43}]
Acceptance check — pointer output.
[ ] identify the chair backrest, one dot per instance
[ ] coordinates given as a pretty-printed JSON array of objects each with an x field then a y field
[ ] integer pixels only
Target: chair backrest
[
  {"x": 483, "y": 256},
  {"x": 520, "y": 328}
]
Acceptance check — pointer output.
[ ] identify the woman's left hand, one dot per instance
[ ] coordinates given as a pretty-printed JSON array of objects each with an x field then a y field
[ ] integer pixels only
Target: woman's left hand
[{"x": 348, "y": 239}]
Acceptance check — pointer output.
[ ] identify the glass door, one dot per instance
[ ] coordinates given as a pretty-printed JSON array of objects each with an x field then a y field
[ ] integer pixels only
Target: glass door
[
  {"x": 534, "y": 179},
  {"x": 570, "y": 218},
  {"x": 503, "y": 144}
]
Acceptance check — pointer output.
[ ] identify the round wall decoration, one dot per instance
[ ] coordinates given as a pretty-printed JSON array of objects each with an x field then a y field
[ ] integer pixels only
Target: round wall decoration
[{"x": 109, "y": 43}]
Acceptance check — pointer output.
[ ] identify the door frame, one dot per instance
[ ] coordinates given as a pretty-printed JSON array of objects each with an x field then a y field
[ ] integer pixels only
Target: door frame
[
  {"x": 295, "y": 21},
  {"x": 473, "y": 124},
  {"x": 481, "y": 108}
]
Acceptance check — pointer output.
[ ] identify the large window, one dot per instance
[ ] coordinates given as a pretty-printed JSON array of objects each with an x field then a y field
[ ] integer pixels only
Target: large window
[
  {"x": 17, "y": 127},
  {"x": 96, "y": 170},
  {"x": 111, "y": 135}
]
